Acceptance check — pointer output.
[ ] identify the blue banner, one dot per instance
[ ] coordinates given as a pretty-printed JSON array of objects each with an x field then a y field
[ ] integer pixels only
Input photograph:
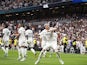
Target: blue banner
[
  {"x": 84, "y": 0},
  {"x": 78, "y": 1}
]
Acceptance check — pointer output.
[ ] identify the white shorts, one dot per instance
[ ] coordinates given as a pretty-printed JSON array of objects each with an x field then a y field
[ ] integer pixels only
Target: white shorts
[
  {"x": 51, "y": 44},
  {"x": 5, "y": 42},
  {"x": 30, "y": 42},
  {"x": 22, "y": 42}
]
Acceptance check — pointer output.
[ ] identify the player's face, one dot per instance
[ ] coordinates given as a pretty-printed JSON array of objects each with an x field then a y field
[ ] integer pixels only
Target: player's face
[
  {"x": 47, "y": 27},
  {"x": 19, "y": 25}
]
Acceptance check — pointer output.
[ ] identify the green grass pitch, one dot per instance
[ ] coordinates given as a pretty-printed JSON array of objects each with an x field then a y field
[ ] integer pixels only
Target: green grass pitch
[{"x": 69, "y": 59}]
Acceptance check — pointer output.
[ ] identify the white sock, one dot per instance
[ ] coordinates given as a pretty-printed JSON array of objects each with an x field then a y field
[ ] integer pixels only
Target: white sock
[
  {"x": 40, "y": 55},
  {"x": 19, "y": 52},
  {"x": 7, "y": 50},
  {"x": 58, "y": 55},
  {"x": 44, "y": 53},
  {"x": 33, "y": 50},
  {"x": 3, "y": 48},
  {"x": 23, "y": 52},
  {"x": 51, "y": 51}
]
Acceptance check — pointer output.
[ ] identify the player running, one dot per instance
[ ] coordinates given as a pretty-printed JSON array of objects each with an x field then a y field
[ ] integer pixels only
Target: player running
[
  {"x": 22, "y": 44},
  {"x": 50, "y": 36},
  {"x": 29, "y": 36},
  {"x": 5, "y": 44},
  {"x": 43, "y": 42}
]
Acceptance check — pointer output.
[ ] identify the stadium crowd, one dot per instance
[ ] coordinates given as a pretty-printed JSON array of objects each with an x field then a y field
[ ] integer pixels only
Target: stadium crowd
[
  {"x": 72, "y": 32},
  {"x": 13, "y": 4}
]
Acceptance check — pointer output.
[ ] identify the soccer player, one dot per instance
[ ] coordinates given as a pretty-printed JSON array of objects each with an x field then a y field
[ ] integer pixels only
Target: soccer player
[
  {"x": 21, "y": 43},
  {"x": 43, "y": 41},
  {"x": 5, "y": 44},
  {"x": 50, "y": 36},
  {"x": 29, "y": 36}
]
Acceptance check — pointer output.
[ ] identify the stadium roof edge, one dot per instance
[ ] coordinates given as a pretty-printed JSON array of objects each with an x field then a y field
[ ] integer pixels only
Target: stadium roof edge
[{"x": 30, "y": 8}]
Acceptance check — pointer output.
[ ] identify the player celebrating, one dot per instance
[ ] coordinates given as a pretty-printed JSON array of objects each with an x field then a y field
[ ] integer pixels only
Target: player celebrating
[
  {"x": 22, "y": 43},
  {"x": 29, "y": 36},
  {"x": 5, "y": 43},
  {"x": 43, "y": 43},
  {"x": 50, "y": 36}
]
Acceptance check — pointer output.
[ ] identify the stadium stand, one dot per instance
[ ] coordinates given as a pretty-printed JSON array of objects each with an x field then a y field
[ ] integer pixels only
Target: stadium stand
[{"x": 71, "y": 19}]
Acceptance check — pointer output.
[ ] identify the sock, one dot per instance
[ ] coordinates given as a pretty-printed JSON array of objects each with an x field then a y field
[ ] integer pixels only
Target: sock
[
  {"x": 3, "y": 48},
  {"x": 58, "y": 55},
  {"x": 44, "y": 53},
  {"x": 7, "y": 50},
  {"x": 23, "y": 52},
  {"x": 33, "y": 50},
  {"x": 19, "y": 52},
  {"x": 40, "y": 55},
  {"x": 51, "y": 51},
  {"x": 60, "y": 60}
]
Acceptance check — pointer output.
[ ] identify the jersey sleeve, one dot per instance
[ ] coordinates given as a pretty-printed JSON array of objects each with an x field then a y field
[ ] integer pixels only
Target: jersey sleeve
[
  {"x": 20, "y": 30},
  {"x": 52, "y": 29},
  {"x": 41, "y": 34}
]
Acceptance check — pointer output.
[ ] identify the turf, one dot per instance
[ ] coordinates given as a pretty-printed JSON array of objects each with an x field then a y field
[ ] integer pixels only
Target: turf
[{"x": 69, "y": 59}]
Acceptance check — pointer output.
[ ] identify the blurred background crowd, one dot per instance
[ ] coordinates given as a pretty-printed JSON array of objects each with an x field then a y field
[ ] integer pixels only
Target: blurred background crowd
[
  {"x": 13, "y": 4},
  {"x": 72, "y": 32},
  {"x": 70, "y": 20}
]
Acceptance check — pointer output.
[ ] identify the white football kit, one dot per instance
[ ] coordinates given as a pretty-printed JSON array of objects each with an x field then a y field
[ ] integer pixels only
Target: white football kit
[
  {"x": 50, "y": 40},
  {"x": 43, "y": 42},
  {"x": 29, "y": 33},
  {"x": 6, "y": 34},
  {"x": 22, "y": 38}
]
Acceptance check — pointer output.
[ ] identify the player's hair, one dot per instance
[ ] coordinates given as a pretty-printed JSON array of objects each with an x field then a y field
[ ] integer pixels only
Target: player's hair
[
  {"x": 5, "y": 25},
  {"x": 52, "y": 24},
  {"x": 46, "y": 24},
  {"x": 22, "y": 25},
  {"x": 27, "y": 27}
]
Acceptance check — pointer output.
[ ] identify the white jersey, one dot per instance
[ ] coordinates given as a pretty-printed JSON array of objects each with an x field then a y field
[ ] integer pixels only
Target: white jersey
[
  {"x": 42, "y": 35},
  {"x": 50, "y": 39},
  {"x": 22, "y": 38},
  {"x": 29, "y": 33},
  {"x": 48, "y": 35},
  {"x": 21, "y": 31},
  {"x": 55, "y": 36},
  {"x": 6, "y": 33}
]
